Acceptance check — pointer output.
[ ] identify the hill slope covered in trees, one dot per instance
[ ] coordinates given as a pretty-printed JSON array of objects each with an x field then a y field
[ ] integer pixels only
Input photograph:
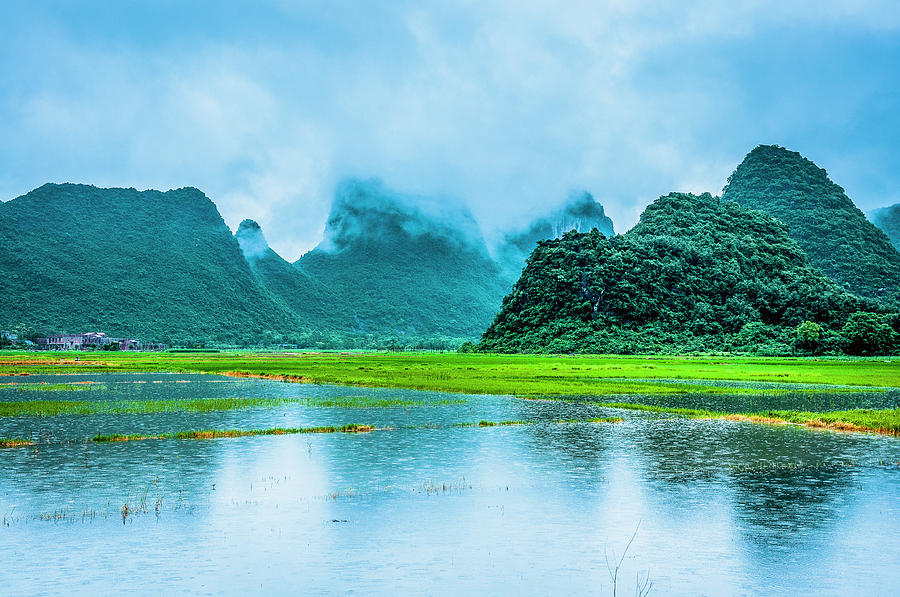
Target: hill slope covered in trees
[
  {"x": 409, "y": 268},
  {"x": 304, "y": 296},
  {"x": 834, "y": 233},
  {"x": 153, "y": 265},
  {"x": 696, "y": 273}
]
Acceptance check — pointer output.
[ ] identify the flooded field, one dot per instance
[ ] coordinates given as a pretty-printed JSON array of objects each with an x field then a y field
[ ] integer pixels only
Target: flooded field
[{"x": 423, "y": 504}]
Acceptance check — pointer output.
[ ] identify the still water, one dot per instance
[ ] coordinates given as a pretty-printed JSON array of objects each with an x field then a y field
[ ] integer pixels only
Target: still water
[{"x": 717, "y": 508}]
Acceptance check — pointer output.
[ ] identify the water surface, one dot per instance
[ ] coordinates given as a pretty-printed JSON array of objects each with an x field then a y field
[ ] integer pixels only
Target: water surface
[{"x": 715, "y": 507}]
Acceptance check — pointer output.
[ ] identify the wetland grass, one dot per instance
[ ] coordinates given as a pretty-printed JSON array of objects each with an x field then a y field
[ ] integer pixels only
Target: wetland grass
[
  {"x": 370, "y": 402},
  {"x": 49, "y": 408},
  {"x": 593, "y": 420},
  {"x": 15, "y": 442},
  {"x": 55, "y": 387},
  {"x": 349, "y": 428},
  {"x": 885, "y": 421},
  {"x": 223, "y": 433}
]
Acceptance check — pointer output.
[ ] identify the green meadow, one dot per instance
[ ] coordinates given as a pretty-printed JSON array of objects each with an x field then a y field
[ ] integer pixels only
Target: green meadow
[{"x": 486, "y": 374}]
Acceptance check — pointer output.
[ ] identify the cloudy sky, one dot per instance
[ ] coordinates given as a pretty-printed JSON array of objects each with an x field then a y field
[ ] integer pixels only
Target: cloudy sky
[{"x": 507, "y": 106}]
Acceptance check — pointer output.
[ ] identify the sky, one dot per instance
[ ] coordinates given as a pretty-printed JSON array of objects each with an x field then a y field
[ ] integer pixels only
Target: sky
[{"x": 505, "y": 106}]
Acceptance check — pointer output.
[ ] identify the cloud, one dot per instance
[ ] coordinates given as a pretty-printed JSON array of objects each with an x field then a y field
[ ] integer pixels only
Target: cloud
[{"x": 507, "y": 106}]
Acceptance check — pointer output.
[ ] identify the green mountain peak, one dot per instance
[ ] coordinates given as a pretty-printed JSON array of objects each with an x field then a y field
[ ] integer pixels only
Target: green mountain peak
[{"x": 824, "y": 221}]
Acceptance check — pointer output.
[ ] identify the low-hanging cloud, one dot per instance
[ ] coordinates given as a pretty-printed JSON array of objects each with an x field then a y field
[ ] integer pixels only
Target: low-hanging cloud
[{"x": 507, "y": 106}]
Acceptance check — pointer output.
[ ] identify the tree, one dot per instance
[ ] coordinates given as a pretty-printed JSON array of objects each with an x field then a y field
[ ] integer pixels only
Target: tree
[
  {"x": 869, "y": 334},
  {"x": 808, "y": 336}
]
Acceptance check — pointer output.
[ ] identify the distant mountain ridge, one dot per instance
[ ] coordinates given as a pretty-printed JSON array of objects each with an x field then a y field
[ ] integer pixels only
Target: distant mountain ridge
[
  {"x": 833, "y": 232},
  {"x": 154, "y": 265},
  {"x": 402, "y": 270},
  {"x": 392, "y": 269}
]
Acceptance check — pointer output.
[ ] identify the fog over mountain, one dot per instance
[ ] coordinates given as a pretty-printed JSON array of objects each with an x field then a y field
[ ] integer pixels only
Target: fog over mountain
[
  {"x": 505, "y": 106},
  {"x": 888, "y": 219},
  {"x": 401, "y": 265},
  {"x": 581, "y": 212}
]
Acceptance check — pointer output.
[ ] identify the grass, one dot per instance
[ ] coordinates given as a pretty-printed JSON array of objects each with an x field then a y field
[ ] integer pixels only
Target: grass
[
  {"x": 13, "y": 442},
  {"x": 498, "y": 423},
  {"x": 886, "y": 421},
  {"x": 220, "y": 433},
  {"x": 54, "y": 387},
  {"x": 47, "y": 408},
  {"x": 594, "y": 420},
  {"x": 349, "y": 428},
  {"x": 369, "y": 402},
  {"x": 485, "y": 374}
]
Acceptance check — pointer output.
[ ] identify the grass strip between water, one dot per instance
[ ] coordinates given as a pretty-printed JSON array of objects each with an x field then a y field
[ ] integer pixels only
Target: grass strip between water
[
  {"x": 349, "y": 428},
  {"x": 56, "y": 387},
  {"x": 48, "y": 408},
  {"x": 220, "y": 433},
  {"x": 13, "y": 442},
  {"x": 885, "y": 421}
]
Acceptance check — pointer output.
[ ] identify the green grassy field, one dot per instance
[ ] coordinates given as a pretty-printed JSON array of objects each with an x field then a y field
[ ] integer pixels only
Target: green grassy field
[{"x": 483, "y": 374}]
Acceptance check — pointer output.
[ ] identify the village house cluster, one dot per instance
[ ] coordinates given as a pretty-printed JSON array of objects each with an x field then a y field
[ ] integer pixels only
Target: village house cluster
[{"x": 93, "y": 341}]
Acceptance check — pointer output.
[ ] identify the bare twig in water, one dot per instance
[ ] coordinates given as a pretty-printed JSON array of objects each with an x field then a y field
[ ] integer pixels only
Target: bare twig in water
[
  {"x": 643, "y": 587},
  {"x": 643, "y": 584}
]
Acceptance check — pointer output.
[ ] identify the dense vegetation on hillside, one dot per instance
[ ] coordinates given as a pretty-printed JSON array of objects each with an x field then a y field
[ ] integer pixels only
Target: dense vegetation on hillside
[
  {"x": 581, "y": 212},
  {"x": 888, "y": 219},
  {"x": 696, "y": 273},
  {"x": 151, "y": 265},
  {"x": 834, "y": 233},
  {"x": 395, "y": 273},
  {"x": 308, "y": 298}
]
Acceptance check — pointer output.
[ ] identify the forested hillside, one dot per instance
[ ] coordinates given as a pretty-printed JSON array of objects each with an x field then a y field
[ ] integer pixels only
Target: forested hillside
[
  {"x": 696, "y": 273},
  {"x": 157, "y": 266},
  {"x": 306, "y": 297},
  {"x": 402, "y": 269},
  {"x": 834, "y": 233}
]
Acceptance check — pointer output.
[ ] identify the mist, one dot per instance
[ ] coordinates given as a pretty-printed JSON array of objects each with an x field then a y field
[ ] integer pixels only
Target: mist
[{"x": 502, "y": 108}]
